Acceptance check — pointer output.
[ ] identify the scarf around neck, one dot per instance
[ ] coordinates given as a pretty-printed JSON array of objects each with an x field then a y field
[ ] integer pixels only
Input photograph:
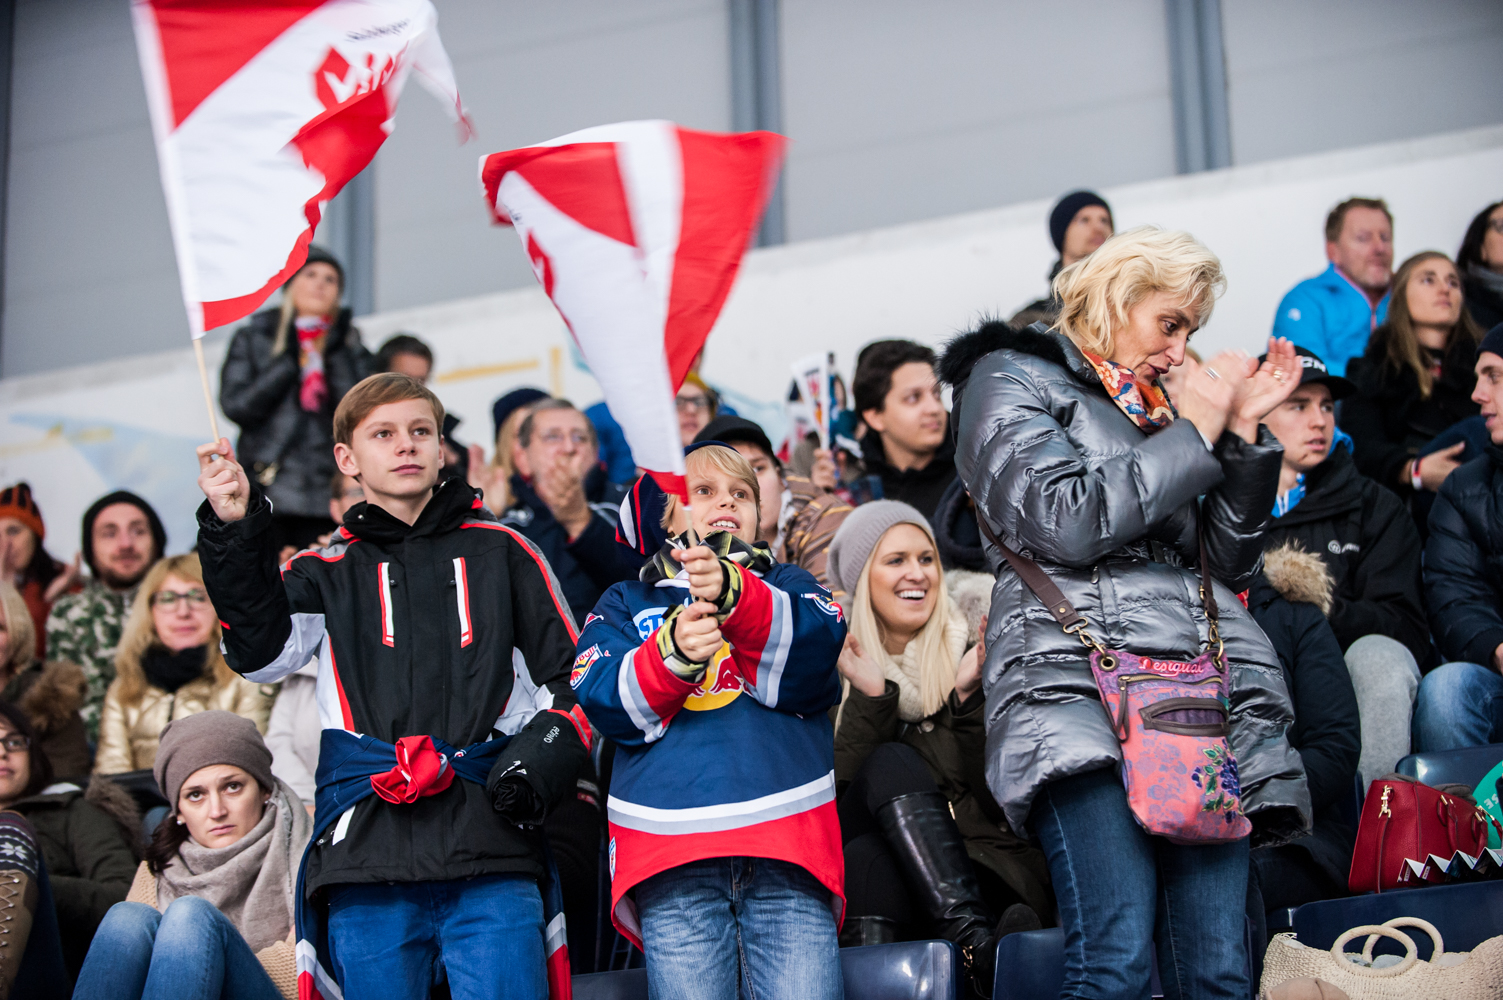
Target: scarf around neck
[
  {"x": 662, "y": 566},
  {"x": 903, "y": 669},
  {"x": 1487, "y": 277},
  {"x": 1145, "y": 403},
  {"x": 168, "y": 670},
  {"x": 253, "y": 881},
  {"x": 314, "y": 389}
]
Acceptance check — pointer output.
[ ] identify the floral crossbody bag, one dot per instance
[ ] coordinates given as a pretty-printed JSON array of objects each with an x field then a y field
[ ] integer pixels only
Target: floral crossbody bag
[{"x": 1172, "y": 718}]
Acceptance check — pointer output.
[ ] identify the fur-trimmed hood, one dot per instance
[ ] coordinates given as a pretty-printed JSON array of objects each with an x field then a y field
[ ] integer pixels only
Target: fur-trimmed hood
[
  {"x": 1299, "y": 575},
  {"x": 962, "y": 353},
  {"x": 54, "y": 696}
]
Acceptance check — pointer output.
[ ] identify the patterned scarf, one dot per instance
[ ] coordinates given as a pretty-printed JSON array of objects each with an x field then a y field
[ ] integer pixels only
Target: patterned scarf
[
  {"x": 314, "y": 389},
  {"x": 755, "y": 557},
  {"x": 1145, "y": 403}
]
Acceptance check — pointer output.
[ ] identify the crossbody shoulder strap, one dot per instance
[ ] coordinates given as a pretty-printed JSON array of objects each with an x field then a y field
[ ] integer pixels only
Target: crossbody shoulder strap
[{"x": 1048, "y": 592}]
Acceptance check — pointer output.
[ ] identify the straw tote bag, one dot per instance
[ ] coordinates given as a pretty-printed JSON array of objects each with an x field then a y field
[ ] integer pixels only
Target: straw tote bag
[{"x": 1474, "y": 975}]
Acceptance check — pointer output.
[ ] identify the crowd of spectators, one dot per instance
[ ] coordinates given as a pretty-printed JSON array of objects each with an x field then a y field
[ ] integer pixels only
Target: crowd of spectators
[{"x": 167, "y": 797}]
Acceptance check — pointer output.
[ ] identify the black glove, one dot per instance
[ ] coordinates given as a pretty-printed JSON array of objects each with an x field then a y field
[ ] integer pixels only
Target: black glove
[{"x": 513, "y": 796}]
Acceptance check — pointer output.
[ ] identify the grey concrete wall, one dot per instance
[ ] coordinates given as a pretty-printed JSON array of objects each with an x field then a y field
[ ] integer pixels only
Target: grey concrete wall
[
  {"x": 529, "y": 72},
  {"x": 901, "y": 111},
  {"x": 898, "y": 111},
  {"x": 89, "y": 269},
  {"x": 1307, "y": 76}
]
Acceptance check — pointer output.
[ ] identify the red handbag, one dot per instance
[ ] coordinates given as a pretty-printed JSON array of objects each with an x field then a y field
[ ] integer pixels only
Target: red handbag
[{"x": 1403, "y": 820}]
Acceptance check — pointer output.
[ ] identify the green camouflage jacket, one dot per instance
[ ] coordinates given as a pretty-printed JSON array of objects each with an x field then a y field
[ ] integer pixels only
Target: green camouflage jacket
[{"x": 84, "y": 628}]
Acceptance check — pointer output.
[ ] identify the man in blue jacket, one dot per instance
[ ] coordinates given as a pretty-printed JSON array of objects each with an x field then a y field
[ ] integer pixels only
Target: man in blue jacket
[
  {"x": 1461, "y": 703},
  {"x": 1334, "y": 313}
]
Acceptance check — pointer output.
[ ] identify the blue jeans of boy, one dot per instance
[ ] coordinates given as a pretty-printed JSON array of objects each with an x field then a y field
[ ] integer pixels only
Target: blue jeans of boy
[
  {"x": 708, "y": 925},
  {"x": 1459, "y": 705},
  {"x": 1122, "y": 891},
  {"x": 395, "y": 941},
  {"x": 191, "y": 952}
]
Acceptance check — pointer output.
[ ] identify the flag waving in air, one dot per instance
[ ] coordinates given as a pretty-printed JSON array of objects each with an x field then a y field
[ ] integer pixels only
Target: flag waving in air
[
  {"x": 262, "y": 112},
  {"x": 636, "y": 231}
]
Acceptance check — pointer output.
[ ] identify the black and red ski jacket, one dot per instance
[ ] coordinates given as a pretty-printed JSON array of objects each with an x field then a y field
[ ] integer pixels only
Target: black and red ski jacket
[{"x": 452, "y": 627}]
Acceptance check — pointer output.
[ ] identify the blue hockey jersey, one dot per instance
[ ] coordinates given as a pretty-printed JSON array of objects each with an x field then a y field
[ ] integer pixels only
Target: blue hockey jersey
[{"x": 740, "y": 763}]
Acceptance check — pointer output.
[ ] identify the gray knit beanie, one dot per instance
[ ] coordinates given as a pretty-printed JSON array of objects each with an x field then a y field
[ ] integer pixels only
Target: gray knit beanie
[
  {"x": 862, "y": 529},
  {"x": 205, "y": 739}
]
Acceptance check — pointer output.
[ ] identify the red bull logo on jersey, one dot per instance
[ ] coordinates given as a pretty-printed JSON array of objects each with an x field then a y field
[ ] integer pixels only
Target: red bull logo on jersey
[
  {"x": 721, "y": 685},
  {"x": 582, "y": 664}
]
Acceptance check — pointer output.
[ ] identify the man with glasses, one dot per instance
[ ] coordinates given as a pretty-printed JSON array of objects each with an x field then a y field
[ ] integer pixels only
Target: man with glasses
[{"x": 563, "y": 504}]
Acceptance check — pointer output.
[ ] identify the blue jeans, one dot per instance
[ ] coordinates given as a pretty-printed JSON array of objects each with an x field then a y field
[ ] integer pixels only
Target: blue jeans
[
  {"x": 709, "y": 924},
  {"x": 190, "y": 952},
  {"x": 1459, "y": 705},
  {"x": 395, "y": 941},
  {"x": 1121, "y": 891}
]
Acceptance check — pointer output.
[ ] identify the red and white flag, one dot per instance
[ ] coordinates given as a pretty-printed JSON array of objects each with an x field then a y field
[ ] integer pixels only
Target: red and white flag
[
  {"x": 636, "y": 232},
  {"x": 262, "y": 112}
]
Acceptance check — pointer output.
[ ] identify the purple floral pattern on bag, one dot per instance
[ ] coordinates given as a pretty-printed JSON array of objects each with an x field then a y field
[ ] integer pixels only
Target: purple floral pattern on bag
[{"x": 1172, "y": 718}]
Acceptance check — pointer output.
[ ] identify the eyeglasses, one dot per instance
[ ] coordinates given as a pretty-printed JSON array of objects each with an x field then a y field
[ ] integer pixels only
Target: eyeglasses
[
  {"x": 555, "y": 437},
  {"x": 691, "y": 404},
  {"x": 169, "y": 598},
  {"x": 16, "y": 743},
  {"x": 1496, "y": 225}
]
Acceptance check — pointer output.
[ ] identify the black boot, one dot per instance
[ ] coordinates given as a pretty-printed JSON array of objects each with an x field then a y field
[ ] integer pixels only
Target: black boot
[
  {"x": 858, "y": 931},
  {"x": 931, "y": 853}
]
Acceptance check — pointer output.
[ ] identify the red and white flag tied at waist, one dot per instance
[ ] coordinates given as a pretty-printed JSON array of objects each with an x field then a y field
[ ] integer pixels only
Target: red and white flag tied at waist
[
  {"x": 636, "y": 231},
  {"x": 262, "y": 112}
]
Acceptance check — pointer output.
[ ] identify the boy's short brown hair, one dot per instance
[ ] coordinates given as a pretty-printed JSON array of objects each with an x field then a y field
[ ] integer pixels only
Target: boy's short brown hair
[{"x": 378, "y": 390}]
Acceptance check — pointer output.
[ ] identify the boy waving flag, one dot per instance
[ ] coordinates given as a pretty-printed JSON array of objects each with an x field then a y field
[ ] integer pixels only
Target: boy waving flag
[{"x": 449, "y": 728}]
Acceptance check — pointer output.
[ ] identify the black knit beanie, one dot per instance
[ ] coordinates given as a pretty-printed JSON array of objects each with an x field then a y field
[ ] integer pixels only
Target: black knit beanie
[
  {"x": 318, "y": 255},
  {"x": 1493, "y": 341},
  {"x": 1064, "y": 214},
  {"x": 158, "y": 533}
]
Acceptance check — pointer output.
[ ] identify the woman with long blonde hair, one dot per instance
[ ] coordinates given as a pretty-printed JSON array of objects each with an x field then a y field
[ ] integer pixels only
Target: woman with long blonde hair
[
  {"x": 168, "y": 666},
  {"x": 1415, "y": 381},
  {"x": 927, "y": 850}
]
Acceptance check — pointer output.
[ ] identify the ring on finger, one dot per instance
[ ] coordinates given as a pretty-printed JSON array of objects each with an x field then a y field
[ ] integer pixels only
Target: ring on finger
[
  {"x": 1212, "y": 373},
  {"x": 1278, "y": 375}
]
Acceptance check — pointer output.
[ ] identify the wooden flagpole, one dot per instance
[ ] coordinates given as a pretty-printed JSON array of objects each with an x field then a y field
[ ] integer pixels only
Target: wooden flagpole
[{"x": 203, "y": 378}]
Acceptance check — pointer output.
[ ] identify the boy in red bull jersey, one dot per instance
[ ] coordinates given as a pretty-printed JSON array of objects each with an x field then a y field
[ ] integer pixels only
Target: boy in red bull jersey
[{"x": 714, "y": 673}]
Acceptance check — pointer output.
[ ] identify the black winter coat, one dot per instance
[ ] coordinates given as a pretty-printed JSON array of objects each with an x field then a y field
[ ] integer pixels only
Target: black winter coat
[
  {"x": 1387, "y": 419},
  {"x": 1464, "y": 561},
  {"x": 952, "y": 743},
  {"x": 1327, "y": 730},
  {"x": 287, "y": 449},
  {"x": 1485, "y": 305},
  {"x": 453, "y": 626},
  {"x": 921, "y": 488},
  {"x": 1369, "y": 543},
  {"x": 588, "y": 565}
]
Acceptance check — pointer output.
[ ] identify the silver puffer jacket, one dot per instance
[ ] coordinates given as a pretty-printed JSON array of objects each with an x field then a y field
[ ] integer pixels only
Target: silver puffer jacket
[{"x": 1063, "y": 476}]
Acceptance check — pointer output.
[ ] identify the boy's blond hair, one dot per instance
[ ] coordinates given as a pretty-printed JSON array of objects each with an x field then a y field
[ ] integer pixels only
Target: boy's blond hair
[
  {"x": 726, "y": 460},
  {"x": 378, "y": 390}
]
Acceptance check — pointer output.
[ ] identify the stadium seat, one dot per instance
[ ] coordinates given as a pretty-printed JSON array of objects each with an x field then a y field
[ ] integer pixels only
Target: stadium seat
[
  {"x": 1445, "y": 767},
  {"x": 907, "y": 970},
  {"x": 1031, "y": 966},
  {"x": 1466, "y": 915}
]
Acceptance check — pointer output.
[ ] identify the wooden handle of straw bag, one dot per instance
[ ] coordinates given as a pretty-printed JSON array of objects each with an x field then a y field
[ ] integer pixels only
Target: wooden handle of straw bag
[
  {"x": 1411, "y": 954},
  {"x": 1424, "y": 925}
]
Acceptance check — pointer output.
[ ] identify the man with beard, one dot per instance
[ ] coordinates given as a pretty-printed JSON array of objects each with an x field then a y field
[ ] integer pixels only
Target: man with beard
[{"x": 122, "y": 537}]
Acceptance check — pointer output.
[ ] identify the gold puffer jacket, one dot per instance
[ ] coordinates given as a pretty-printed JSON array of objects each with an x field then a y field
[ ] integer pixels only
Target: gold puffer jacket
[{"x": 128, "y": 734}]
